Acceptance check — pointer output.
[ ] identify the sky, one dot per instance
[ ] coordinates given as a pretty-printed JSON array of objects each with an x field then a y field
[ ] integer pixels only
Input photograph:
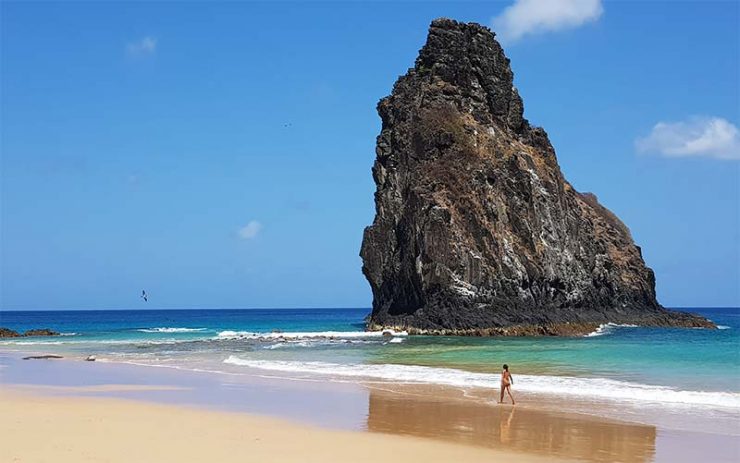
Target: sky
[{"x": 218, "y": 155}]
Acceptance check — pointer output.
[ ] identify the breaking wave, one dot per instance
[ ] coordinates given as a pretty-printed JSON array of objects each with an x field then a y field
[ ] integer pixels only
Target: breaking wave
[
  {"x": 171, "y": 330},
  {"x": 599, "y": 388},
  {"x": 90, "y": 342},
  {"x": 310, "y": 334},
  {"x": 607, "y": 328}
]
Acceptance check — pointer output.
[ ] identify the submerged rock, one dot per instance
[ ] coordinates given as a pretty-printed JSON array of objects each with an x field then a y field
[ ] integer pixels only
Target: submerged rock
[
  {"x": 41, "y": 332},
  {"x": 8, "y": 333},
  {"x": 476, "y": 229}
]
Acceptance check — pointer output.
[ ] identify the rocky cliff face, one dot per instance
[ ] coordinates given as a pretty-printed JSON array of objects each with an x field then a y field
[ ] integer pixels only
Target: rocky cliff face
[{"x": 476, "y": 230}]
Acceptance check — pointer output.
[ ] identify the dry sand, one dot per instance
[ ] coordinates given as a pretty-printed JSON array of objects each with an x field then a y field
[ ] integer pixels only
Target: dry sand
[{"x": 40, "y": 428}]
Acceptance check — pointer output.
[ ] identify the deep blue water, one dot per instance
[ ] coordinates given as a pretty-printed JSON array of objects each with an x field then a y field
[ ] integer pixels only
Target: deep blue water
[{"x": 119, "y": 323}]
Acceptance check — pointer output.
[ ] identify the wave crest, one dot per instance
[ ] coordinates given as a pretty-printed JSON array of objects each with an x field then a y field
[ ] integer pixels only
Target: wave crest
[
  {"x": 166, "y": 329},
  {"x": 600, "y": 388},
  {"x": 607, "y": 328},
  {"x": 309, "y": 334}
]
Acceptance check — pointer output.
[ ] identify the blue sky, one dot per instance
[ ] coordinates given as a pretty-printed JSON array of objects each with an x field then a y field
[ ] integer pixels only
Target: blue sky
[{"x": 219, "y": 155}]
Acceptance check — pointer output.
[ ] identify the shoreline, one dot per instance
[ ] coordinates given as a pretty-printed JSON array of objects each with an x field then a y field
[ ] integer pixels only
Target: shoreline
[
  {"x": 534, "y": 392},
  {"x": 447, "y": 415},
  {"x": 75, "y": 429}
]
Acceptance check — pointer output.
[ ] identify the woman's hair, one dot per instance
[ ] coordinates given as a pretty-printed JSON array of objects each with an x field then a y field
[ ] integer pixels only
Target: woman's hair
[{"x": 506, "y": 367}]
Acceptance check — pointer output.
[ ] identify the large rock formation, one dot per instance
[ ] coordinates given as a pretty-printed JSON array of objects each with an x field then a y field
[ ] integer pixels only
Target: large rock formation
[{"x": 476, "y": 230}]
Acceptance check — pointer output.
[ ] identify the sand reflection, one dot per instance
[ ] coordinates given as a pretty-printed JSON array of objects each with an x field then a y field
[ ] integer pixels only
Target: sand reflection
[{"x": 512, "y": 428}]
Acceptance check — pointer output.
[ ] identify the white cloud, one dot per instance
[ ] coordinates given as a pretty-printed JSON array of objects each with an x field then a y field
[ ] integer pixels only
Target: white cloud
[
  {"x": 538, "y": 16},
  {"x": 250, "y": 230},
  {"x": 145, "y": 46},
  {"x": 712, "y": 137}
]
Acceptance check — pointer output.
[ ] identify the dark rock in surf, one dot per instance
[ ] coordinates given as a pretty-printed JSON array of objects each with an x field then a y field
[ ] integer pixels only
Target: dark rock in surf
[
  {"x": 41, "y": 332},
  {"x": 476, "y": 230},
  {"x": 8, "y": 333}
]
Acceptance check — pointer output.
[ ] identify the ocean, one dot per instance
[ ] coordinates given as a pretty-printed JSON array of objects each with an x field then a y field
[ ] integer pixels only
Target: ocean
[{"x": 624, "y": 368}]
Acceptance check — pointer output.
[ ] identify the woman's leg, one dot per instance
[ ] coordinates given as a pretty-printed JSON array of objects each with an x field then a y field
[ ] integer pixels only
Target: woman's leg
[
  {"x": 508, "y": 389},
  {"x": 501, "y": 399}
]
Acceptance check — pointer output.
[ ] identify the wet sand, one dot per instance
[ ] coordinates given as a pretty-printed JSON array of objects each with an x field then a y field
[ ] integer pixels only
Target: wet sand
[
  {"x": 42, "y": 428},
  {"x": 443, "y": 415},
  {"x": 521, "y": 427}
]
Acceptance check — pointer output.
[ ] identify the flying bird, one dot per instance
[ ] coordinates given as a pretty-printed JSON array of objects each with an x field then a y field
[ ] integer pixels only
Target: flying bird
[{"x": 143, "y": 295}]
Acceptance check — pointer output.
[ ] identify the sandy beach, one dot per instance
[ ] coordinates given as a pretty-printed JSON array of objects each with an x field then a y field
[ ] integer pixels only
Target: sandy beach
[
  {"x": 39, "y": 428},
  {"x": 70, "y": 410}
]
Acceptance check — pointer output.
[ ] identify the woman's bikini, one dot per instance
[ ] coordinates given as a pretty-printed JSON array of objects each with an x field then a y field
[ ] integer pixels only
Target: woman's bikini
[{"x": 505, "y": 381}]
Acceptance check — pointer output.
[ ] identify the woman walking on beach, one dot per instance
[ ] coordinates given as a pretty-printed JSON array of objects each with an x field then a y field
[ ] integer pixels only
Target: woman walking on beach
[{"x": 506, "y": 381}]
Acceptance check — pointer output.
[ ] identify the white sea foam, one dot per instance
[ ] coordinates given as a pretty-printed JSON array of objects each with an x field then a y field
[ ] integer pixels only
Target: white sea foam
[
  {"x": 723, "y": 327},
  {"x": 93, "y": 342},
  {"x": 607, "y": 328},
  {"x": 171, "y": 330},
  {"x": 281, "y": 345},
  {"x": 309, "y": 334},
  {"x": 319, "y": 342},
  {"x": 599, "y": 388}
]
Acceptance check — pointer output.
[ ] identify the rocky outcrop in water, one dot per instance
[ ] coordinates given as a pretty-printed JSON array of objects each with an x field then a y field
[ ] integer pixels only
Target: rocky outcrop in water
[
  {"x": 41, "y": 332},
  {"x": 476, "y": 229},
  {"x": 8, "y": 333}
]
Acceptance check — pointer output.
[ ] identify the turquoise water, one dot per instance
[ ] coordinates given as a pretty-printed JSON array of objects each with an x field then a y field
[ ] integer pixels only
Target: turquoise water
[{"x": 654, "y": 366}]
